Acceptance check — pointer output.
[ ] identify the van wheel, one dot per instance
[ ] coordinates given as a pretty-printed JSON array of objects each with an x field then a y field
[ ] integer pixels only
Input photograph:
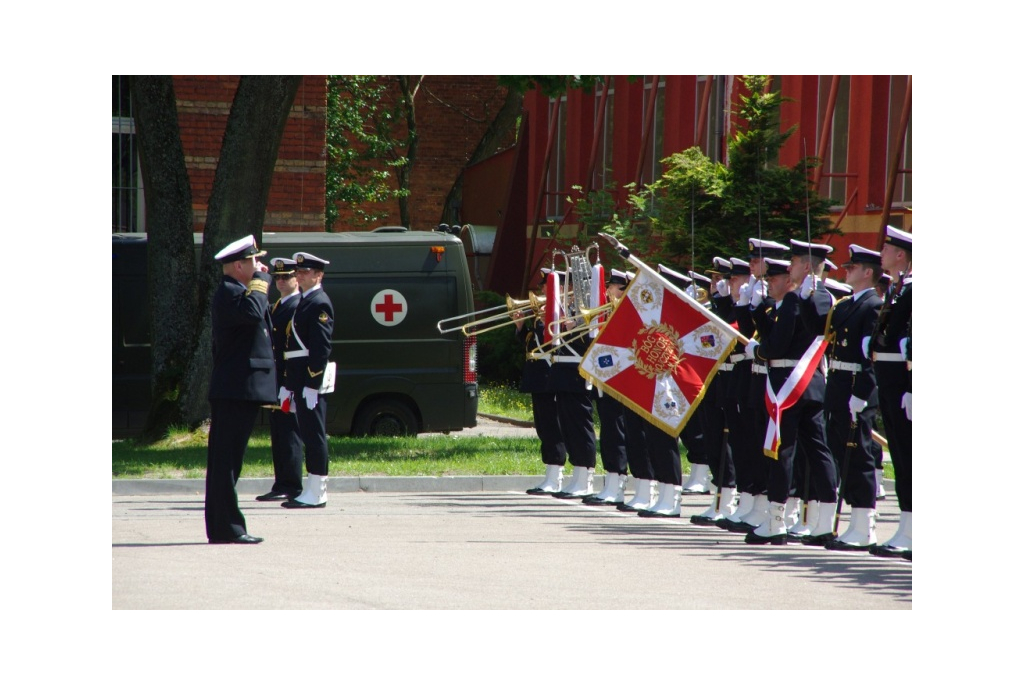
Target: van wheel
[{"x": 385, "y": 417}]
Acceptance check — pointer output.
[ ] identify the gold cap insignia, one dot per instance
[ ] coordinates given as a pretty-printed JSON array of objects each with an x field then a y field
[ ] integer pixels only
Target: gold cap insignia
[{"x": 323, "y": 317}]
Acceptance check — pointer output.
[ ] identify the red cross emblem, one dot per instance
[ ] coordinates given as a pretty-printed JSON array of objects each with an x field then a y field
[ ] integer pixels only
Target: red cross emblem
[{"x": 389, "y": 307}]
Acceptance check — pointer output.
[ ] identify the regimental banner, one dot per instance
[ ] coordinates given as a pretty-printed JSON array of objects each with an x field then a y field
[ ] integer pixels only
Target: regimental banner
[{"x": 657, "y": 351}]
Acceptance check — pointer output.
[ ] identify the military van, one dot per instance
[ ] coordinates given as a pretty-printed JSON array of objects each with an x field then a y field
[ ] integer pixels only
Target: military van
[{"x": 396, "y": 374}]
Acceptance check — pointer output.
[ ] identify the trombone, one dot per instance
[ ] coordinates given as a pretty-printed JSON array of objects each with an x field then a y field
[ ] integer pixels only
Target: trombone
[
  {"x": 580, "y": 332},
  {"x": 534, "y": 305}
]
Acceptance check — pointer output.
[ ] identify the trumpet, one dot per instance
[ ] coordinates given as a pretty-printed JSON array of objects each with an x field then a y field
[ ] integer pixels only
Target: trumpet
[{"x": 534, "y": 305}]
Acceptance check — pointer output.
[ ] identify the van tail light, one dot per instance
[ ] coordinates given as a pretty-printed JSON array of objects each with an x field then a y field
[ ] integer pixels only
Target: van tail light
[{"x": 469, "y": 360}]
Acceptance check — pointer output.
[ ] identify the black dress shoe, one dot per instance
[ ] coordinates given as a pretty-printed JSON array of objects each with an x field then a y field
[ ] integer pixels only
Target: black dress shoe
[
  {"x": 538, "y": 491},
  {"x": 296, "y": 504},
  {"x": 755, "y": 539},
  {"x": 818, "y": 540},
  {"x": 838, "y": 545},
  {"x": 907, "y": 555},
  {"x": 568, "y": 495},
  {"x": 275, "y": 496},
  {"x": 794, "y": 538},
  {"x": 599, "y": 502},
  {"x": 622, "y": 506},
  {"x": 738, "y": 526},
  {"x": 647, "y": 513},
  {"x": 888, "y": 551},
  {"x": 244, "y": 539},
  {"x": 699, "y": 520}
]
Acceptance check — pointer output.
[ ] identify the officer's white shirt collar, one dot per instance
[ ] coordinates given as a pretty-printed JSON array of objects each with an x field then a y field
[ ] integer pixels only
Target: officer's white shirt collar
[
  {"x": 297, "y": 293},
  {"x": 313, "y": 289},
  {"x": 859, "y": 294}
]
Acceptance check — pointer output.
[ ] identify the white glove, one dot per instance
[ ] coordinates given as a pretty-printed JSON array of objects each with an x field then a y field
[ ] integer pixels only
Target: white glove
[
  {"x": 749, "y": 348},
  {"x": 744, "y": 295},
  {"x": 691, "y": 292},
  {"x": 722, "y": 287},
  {"x": 865, "y": 346},
  {"x": 807, "y": 286},
  {"x": 285, "y": 399},
  {"x": 903, "y": 346},
  {"x": 311, "y": 396},
  {"x": 906, "y": 403},
  {"x": 757, "y": 294},
  {"x": 856, "y": 406}
]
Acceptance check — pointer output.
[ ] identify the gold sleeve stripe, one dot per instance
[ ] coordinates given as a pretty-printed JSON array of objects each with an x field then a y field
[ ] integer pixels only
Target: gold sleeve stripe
[{"x": 256, "y": 285}]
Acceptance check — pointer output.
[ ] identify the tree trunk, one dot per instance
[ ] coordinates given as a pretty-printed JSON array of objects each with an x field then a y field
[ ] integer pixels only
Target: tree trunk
[
  {"x": 405, "y": 171},
  {"x": 170, "y": 256},
  {"x": 238, "y": 203},
  {"x": 491, "y": 141}
]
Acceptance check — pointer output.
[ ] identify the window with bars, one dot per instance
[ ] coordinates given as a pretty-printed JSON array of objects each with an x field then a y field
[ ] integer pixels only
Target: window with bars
[
  {"x": 555, "y": 205},
  {"x": 897, "y": 96},
  {"x": 656, "y": 144},
  {"x": 712, "y": 142},
  {"x": 834, "y": 165},
  {"x": 603, "y": 169},
  {"x": 128, "y": 201}
]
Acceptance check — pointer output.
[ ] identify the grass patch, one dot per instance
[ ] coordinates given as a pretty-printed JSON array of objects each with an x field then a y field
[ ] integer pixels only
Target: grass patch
[
  {"x": 505, "y": 400},
  {"x": 184, "y": 456}
]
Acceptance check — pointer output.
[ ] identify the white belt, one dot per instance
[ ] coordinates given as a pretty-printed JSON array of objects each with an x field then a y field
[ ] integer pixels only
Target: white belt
[
  {"x": 296, "y": 353},
  {"x": 726, "y": 367},
  {"x": 565, "y": 358},
  {"x": 836, "y": 365},
  {"x": 783, "y": 363},
  {"x": 759, "y": 368},
  {"x": 887, "y": 357},
  {"x": 737, "y": 357}
]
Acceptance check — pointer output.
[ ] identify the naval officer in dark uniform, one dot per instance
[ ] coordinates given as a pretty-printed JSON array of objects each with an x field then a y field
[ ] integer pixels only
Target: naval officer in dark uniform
[
  {"x": 889, "y": 356},
  {"x": 786, "y": 337},
  {"x": 242, "y": 380},
  {"x": 542, "y": 399},
  {"x": 285, "y": 443},
  {"x": 307, "y": 353},
  {"x": 851, "y": 397}
]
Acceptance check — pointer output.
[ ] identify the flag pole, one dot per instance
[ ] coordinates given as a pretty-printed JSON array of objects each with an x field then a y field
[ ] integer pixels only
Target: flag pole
[{"x": 668, "y": 285}]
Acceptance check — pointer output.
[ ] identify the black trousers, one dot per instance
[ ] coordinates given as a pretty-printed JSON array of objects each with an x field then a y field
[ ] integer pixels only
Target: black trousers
[
  {"x": 662, "y": 461},
  {"x": 694, "y": 439},
  {"x": 286, "y": 446},
  {"x": 231, "y": 424},
  {"x": 859, "y": 489},
  {"x": 717, "y": 441},
  {"x": 803, "y": 423},
  {"x": 576, "y": 419},
  {"x": 613, "y": 434},
  {"x": 545, "y": 421},
  {"x": 755, "y": 418},
  {"x": 898, "y": 431},
  {"x": 313, "y": 431},
  {"x": 637, "y": 456}
]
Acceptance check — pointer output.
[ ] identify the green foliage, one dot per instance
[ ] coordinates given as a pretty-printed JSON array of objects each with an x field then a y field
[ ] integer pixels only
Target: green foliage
[
  {"x": 505, "y": 399},
  {"x": 363, "y": 147},
  {"x": 700, "y": 209},
  {"x": 499, "y": 357}
]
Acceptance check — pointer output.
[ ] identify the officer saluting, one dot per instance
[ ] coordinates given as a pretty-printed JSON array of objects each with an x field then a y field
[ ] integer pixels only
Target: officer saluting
[
  {"x": 307, "y": 353},
  {"x": 242, "y": 380}
]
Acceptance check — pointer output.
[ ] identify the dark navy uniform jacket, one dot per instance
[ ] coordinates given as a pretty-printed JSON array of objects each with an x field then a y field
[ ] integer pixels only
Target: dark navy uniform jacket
[
  {"x": 852, "y": 321},
  {"x": 312, "y": 324},
  {"x": 281, "y": 315},
  {"x": 894, "y": 375},
  {"x": 535, "y": 371},
  {"x": 785, "y": 334},
  {"x": 243, "y": 354}
]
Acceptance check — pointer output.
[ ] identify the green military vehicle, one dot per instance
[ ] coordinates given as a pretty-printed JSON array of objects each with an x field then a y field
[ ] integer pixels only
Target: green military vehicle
[{"x": 397, "y": 375}]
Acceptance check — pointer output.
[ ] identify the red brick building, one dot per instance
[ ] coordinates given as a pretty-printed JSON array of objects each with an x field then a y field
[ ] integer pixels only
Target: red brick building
[{"x": 859, "y": 125}]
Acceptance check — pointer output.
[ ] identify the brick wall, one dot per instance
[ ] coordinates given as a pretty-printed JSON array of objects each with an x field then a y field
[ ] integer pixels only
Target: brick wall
[
  {"x": 452, "y": 113},
  {"x": 296, "y": 201}
]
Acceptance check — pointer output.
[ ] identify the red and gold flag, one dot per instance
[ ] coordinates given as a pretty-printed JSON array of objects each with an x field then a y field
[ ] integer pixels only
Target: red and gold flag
[{"x": 657, "y": 351}]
